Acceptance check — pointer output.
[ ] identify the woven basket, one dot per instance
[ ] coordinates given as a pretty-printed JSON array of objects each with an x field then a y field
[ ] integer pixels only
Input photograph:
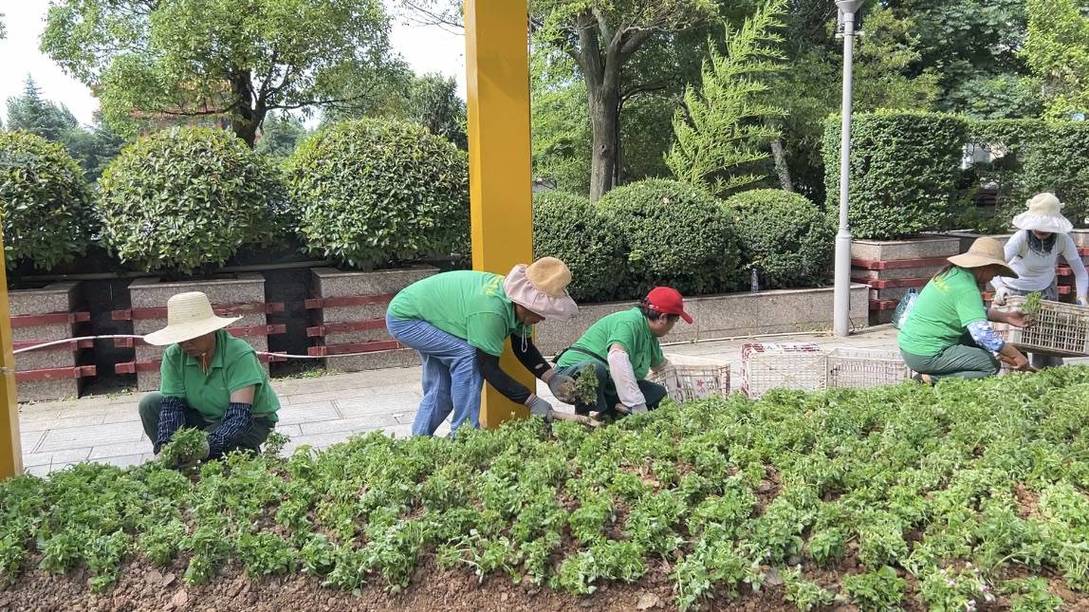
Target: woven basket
[
  {"x": 1058, "y": 329},
  {"x": 862, "y": 368},
  {"x": 767, "y": 366},
  {"x": 685, "y": 382}
]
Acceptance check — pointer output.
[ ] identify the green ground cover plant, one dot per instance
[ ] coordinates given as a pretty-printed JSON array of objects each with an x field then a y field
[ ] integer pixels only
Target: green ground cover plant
[{"x": 949, "y": 497}]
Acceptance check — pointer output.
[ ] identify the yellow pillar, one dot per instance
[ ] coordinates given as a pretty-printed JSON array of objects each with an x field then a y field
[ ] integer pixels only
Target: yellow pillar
[
  {"x": 500, "y": 182},
  {"x": 11, "y": 453}
]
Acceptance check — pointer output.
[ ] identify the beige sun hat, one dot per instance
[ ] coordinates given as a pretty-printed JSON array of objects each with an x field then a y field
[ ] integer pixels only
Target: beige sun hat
[
  {"x": 1043, "y": 215},
  {"x": 541, "y": 287},
  {"x": 984, "y": 252},
  {"x": 188, "y": 315}
]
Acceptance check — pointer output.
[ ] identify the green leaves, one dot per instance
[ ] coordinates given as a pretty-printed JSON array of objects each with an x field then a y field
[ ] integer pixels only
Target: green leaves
[{"x": 567, "y": 226}]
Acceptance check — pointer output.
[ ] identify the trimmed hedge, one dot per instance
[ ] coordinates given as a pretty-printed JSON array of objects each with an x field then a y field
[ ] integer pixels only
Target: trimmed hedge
[
  {"x": 904, "y": 171},
  {"x": 784, "y": 236},
  {"x": 44, "y": 201},
  {"x": 678, "y": 235},
  {"x": 186, "y": 198},
  {"x": 567, "y": 226},
  {"x": 373, "y": 192}
]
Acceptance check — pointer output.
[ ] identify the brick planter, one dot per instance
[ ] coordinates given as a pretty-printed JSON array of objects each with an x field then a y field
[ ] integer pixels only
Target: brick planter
[
  {"x": 241, "y": 295},
  {"x": 349, "y": 317},
  {"x": 893, "y": 267},
  {"x": 44, "y": 315}
]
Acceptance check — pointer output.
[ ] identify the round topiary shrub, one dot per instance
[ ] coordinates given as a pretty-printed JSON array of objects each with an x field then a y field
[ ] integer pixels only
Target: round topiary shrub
[
  {"x": 567, "y": 226},
  {"x": 186, "y": 198},
  {"x": 373, "y": 192},
  {"x": 784, "y": 236},
  {"x": 677, "y": 233},
  {"x": 44, "y": 201}
]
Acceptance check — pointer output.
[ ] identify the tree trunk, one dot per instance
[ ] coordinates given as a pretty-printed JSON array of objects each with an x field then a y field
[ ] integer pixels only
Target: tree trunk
[
  {"x": 604, "y": 123},
  {"x": 248, "y": 113},
  {"x": 781, "y": 165}
]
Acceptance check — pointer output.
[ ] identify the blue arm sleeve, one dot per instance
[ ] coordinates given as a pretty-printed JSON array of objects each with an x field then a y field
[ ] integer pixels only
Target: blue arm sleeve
[
  {"x": 984, "y": 335},
  {"x": 171, "y": 419},
  {"x": 236, "y": 421}
]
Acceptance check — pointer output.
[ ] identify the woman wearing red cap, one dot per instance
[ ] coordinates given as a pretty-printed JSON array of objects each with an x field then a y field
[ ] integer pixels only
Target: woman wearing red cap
[{"x": 623, "y": 347}]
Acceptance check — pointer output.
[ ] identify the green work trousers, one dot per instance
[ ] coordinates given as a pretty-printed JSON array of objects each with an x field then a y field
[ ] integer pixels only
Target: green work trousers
[
  {"x": 251, "y": 439},
  {"x": 964, "y": 360}
]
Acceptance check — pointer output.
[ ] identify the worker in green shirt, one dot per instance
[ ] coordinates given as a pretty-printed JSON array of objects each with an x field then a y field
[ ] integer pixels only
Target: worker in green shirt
[
  {"x": 210, "y": 380},
  {"x": 459, "y": 323},
  {"x": 948, "y": 331},
  {"x": 623, "y": 347}
]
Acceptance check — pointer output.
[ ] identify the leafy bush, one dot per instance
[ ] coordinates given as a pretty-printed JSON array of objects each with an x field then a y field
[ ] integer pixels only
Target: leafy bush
[
  {"x": 904, "y": 169},
  {"x": 784, "y": 236},
  {"x": 567, "y": 226},
  {"x": 677, "y": 235},
  {"x": 44, "y": 201},
  {"x": 186, "y": 198},
  {"x": 371, "y": 192}
]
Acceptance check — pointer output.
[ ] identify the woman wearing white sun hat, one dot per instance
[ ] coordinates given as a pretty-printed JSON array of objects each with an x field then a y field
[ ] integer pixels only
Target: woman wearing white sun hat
[
  {"x": 210, "y": 380},
  {"x": 1033, "y": 254}
]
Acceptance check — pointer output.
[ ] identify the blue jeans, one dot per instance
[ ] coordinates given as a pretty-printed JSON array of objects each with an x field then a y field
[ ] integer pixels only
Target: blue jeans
[{"x": 452, "y": 380}]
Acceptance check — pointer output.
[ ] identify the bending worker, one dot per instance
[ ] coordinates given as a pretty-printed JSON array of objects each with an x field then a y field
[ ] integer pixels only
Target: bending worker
[
  {"x": 622, "y": 348},
  {"x": 459, "y": 321},
  {"x": 1033, "y": 254},
  {"x": 210, "y": 380},
  {"x": 948, "y": 331}
]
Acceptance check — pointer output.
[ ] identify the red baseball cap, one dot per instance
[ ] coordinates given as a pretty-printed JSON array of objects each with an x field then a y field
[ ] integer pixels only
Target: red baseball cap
[{"x": 669, "y": 301}]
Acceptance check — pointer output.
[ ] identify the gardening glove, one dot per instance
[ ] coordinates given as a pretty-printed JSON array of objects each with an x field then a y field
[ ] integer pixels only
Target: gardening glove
[
  {"x": 561, "y": 385},
  {"x": 539, "y": 407},
  {"x": 1000, "y": 296},
  {"x": 1083, "y": 302},
  {"x": 640, "y": 409}
]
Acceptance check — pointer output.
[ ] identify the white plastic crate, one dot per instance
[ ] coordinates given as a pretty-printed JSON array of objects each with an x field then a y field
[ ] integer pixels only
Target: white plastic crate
[
  {"x": 865, "y": 368},
  {"x": 1058, "y": 329},
  {"x": 689, "y": 381},
  {"x": 766, "y": 366}
]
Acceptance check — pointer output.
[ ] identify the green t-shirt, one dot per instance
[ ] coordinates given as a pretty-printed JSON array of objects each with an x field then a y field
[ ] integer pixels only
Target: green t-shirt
[
  {"x": 234, "y": 366},
  {"x": 942, "y": 313},
  {"x": 627, "y": 328},
  {"x": 469, "y": 305}
]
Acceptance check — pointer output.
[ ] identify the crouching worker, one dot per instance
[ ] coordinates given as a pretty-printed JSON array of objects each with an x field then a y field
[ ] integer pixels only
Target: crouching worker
[
  {"x": 622, "y": 348},
  {"x": 210, "y": 380},
  {"x": 459, "y": 322},
  {"x": 948, "y": 331}
]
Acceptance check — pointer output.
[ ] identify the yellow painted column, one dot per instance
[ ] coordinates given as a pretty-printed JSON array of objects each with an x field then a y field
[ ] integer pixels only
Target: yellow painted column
[
  {"x": 11, "y": 453},
  {"x": 500, "y": 181}
]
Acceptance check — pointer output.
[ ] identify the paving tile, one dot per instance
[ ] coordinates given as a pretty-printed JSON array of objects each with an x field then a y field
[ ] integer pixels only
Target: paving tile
[
  {"x": 78, "y": 420},
  {"x": 304, "y": 413},
  {"x": 101, "y": 452},
  {"x": 45, "y": 470},
  {"x": 289, "y": 430},
  {"x": 384, "y": 404},
  {"x": 54, "y": 458},
  {"x": 125, "y": 460},
  {"x": 78, "y": 437},
  {"x": 318, "y": 441},
  {"x": 29, "y": 440},
  {"x": 122, "y": 415},
  {"x": 348, "y": 425}
]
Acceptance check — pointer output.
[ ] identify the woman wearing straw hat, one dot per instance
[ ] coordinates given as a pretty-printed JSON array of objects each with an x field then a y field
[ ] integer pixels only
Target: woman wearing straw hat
[
  {"x": 210, "y": 380},
  {"x": 948, "y": 331},
  {"x": 1033, "y": 254},
  {"x": 459, "y": 322}
]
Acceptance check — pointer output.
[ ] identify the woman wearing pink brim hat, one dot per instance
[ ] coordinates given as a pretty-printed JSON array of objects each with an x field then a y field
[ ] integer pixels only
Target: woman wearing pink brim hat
[{"x": 459, "y": 323}]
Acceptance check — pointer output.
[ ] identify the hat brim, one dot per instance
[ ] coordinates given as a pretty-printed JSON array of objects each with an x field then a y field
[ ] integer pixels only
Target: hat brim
[
  {"x": 1056, "y": 224},
  {"x": 181, "y": 332},
  {"x": 971, "y": 260},
  {"x": 686, "y": 317}
]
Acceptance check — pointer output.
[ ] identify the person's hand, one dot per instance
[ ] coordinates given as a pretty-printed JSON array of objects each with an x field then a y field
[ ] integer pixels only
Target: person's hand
[
  {"x": 1019, "y": 319},
  {"x": 1000, "y": 296},
  {"x": 539, "y": 407},
  {"x": 1017, "y": 361},
  {"x": 562, "y": 386},
  {"x": 640, "y": 409},
  {"x": 1083, "y": 302}
]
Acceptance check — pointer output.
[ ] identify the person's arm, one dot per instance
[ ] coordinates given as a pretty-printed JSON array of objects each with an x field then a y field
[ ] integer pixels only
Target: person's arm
[
  {"x": 530, "y": 357},
  {"x": 172, "y": 407},
  {"x": 1010, "y": 250},
  {"x": 243, "y": 377},
  {"x": 1014, "y": 318},
  {"x": 1081, "y": 276},
  {"x": 503, "y": 382},
  {"x": 623, "y": 375}
]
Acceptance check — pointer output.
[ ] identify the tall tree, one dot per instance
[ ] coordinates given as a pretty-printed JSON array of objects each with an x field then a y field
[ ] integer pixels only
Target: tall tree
[
  {"x": 93, "y": 148},
  {"x": 32, "y": 113},
  {"x": 280, "y": 134},
  {"x": 231, "y": 59},
  {"x": 433, "y": 102},
  {"x": 727, "y": 124},
  {"x": 1057, "y": 50}
]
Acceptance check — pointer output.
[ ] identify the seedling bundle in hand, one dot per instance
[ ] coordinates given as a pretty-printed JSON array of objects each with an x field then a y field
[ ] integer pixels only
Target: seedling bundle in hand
[
  {"x": 586, "y": 385},
  {"x": 187, "y": 448}
]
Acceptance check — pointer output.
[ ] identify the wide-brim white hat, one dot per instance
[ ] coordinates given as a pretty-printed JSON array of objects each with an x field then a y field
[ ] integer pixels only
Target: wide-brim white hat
[
  {"x": 541, "y": 287},
  {"x": 188, "y": 315},
  {"x": 1043, "y": 215}
]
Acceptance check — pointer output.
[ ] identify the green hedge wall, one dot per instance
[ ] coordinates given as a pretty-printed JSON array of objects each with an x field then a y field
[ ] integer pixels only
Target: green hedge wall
[
  {"x": 567, "y": 226},
  {"x": 904, "y": 171}
]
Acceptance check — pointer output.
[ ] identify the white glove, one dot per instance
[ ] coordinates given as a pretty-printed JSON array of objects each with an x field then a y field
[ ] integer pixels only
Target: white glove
[
  {"x": 539, "y": 407},
  {"x": 1000, "y": 296},
  {"x": 1083, "y": 302},
  {"x": 640, "y": 409}
]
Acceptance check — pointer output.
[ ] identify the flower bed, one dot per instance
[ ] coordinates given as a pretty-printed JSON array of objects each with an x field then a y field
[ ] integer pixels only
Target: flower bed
[{"x": 964, "y": 495}]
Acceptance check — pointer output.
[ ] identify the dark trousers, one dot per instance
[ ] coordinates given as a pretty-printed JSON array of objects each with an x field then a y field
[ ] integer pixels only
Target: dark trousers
[
  {"x": 251, "y": 439},
  {"x": 607, "y": 398}
]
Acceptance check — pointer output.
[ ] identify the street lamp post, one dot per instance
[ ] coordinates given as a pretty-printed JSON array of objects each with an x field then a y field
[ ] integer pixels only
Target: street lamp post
[{"x": 841, "y": 304}]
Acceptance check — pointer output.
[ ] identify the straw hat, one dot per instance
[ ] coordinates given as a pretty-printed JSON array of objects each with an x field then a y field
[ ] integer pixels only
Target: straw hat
[
  {"x": 984, "y": 252},
  {"x": 188, "y": 315},
  {"x": 541, "y": 287},
  {"x": 1043, "y": 215}
]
